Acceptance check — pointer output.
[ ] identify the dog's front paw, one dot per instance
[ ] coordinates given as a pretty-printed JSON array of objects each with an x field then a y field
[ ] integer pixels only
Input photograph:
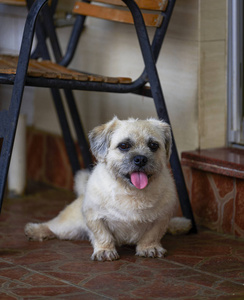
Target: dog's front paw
[
  {"x": 105, "y": 254},
  {"x": 151, "y": 251},
  {"x": 38, "y": 232}
]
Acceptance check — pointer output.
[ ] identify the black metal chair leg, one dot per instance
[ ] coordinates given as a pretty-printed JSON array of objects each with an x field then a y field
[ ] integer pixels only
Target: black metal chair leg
[
  {"x": 161, "y": 108},
  {"x": 8, "y": 125},
  {"x": 175, "y": 162},
  {"x": 6, "y": 151},
  {"x": 157, "y": 94},
  {"x": 43, "y": 52},
  {"x": 69, "y": 143},
  {"x": 174, "y": 159},
  {"x": 181, "y": 187},
  {"x": 9, "y": 118},
  {"x": 81, "y": 137}
]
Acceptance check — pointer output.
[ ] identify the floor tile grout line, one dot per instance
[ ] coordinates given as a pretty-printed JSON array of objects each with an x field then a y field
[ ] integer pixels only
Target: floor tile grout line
[
  {"x": 106, "y": 297},
  {"x": 221, "y": 279},
  {"x": 205, "y": 287},
  {"x": 55, "y": 278},
  {"x": 206, "y": 273},
  {"x": 11, "y": 294},
  {"x": 168, "y": 261}
]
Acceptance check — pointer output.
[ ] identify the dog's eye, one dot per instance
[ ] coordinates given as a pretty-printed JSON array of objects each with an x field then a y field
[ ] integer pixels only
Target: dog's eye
[
  {"x": 124, "y": 146},
  {"x": 153, "y": 146}
]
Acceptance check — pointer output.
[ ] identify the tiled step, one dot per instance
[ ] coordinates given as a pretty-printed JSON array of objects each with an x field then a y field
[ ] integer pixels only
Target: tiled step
[{"x": 215, "y": 181}]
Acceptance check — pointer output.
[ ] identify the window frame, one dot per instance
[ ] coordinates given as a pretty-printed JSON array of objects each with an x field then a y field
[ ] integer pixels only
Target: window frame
[{"x": 235, "y": 134}]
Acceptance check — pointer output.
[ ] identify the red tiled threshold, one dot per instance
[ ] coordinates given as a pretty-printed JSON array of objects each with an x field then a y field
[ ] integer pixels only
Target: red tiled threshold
[{"x": 215, "y": 181}]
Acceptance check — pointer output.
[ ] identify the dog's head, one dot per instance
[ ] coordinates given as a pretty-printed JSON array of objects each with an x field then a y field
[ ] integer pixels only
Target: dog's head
[{"x": 134, "y": 151}]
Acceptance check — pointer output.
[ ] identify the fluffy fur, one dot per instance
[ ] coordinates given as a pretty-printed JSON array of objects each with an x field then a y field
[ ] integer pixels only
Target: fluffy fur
[{"x": 112, "y": 208}]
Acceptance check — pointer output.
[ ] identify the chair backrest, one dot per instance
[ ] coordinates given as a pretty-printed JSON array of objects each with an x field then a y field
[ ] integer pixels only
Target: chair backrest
[{"x": 116, "y": 10}]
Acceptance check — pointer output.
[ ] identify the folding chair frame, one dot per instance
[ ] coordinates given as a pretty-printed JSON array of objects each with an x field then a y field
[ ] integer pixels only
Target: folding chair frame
[{"x": 150, "y": 54}]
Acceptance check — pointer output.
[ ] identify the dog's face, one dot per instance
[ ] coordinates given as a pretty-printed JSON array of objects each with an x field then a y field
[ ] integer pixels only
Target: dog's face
[{"x": 134, "y": 151}]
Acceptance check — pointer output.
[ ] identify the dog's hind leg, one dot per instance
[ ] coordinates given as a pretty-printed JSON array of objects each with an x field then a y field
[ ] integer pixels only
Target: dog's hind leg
[{"x": 69, "y": 224}]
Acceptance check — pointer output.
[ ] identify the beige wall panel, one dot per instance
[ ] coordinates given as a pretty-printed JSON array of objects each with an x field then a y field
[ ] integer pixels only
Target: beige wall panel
[
  {"x": 213, "y": 19},
  {"x": 212, "y": 94},
  {"x": 192, "y": 72}
]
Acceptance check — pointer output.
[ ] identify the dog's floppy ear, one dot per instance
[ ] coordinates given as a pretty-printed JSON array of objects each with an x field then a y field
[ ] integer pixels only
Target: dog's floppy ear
[
  {"x": 165, "y": 133},
  {"x": 100, "y": 138},
  {"x": 167, "y": 138}
]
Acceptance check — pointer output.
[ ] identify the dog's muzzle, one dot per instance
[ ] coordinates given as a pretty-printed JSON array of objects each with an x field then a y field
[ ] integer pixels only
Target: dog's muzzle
[
  {"x": 140, "y": 160},
  {"x": 139, "y": 179}
]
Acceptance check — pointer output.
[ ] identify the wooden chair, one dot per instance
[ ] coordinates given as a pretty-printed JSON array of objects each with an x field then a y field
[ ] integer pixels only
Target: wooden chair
[{"x": 24, "y": 70}]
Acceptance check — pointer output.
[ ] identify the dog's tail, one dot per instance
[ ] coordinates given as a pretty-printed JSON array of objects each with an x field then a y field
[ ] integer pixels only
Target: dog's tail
[
  {"x": 80, "y": 181},
  {"x": 179, "y": 225}
]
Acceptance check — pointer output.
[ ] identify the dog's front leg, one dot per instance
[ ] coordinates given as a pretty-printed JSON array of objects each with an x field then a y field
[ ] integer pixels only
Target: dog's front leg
[
  {"x": 102, "y": 241},
  {"x": 149, "y": 245}
]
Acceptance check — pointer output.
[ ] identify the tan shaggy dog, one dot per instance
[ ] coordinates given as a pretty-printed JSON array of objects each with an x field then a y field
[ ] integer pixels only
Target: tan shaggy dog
[{"x": 128, "y": 198}]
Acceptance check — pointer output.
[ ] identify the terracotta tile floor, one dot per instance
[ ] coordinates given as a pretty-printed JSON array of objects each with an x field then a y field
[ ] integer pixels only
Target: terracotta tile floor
[{"x": 202, "y": 266}]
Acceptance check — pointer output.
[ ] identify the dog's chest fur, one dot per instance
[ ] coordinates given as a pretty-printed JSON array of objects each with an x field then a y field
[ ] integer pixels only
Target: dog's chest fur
[
  {"x": 127, "y": 232},
  {"x": 127, "y": 213}
]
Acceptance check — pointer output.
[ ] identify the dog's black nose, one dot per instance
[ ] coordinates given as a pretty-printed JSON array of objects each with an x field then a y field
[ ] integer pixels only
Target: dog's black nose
[{"x": 140, "y": 160}]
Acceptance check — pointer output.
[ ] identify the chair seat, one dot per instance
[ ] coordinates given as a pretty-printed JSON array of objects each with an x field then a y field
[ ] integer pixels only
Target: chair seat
[{"x": 48, "y": 69}]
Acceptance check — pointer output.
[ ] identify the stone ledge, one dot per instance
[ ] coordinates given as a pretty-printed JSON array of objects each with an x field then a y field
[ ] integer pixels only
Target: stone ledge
[{"x": 224, "y": 161}]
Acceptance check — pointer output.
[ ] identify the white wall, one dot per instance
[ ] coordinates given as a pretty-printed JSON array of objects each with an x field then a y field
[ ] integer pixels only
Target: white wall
[
  {"x": 106, "y": 48},
  {"x": 11, "y": 30},
  {"x": 192, "y": 70}
]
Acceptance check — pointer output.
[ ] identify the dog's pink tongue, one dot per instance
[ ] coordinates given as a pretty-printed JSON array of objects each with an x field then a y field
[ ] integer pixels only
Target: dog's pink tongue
[{"x": 139, "y": 180}]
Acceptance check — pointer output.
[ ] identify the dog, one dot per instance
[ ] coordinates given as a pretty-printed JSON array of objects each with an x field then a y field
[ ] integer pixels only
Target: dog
[{"x": 128, "y": 198}]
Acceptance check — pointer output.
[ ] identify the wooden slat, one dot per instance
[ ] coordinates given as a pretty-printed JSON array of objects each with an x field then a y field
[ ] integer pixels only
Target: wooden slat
[
  {"x": 63, "y": 72},
  {"x": 143, "y": 4},
  {"x": 48, "y": 69},
  {"x": 35, "y": 66},
  {"x": 112, "y": 14},
  {"x": 7, "y": 65},
  {"x": 124, "y": 80},
  {"x": 7, "y": 70},
  {"x": 13, "y": 2}
]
